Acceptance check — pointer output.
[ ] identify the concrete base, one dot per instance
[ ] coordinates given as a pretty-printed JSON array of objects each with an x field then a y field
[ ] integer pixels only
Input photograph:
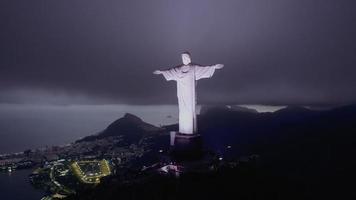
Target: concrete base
[{"x": 186, "y": 146}]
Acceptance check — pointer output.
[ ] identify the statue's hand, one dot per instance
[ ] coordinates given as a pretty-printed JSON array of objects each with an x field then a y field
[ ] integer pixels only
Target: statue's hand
[
  {"x": 157, "y": 72},
  {"x": 219, "y": 66}
]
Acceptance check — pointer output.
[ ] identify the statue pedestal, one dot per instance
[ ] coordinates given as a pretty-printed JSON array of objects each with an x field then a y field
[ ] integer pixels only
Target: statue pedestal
[{"x": 186, "y": 146}]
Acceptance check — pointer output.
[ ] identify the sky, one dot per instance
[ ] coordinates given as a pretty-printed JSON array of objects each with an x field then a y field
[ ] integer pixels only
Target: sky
[{"x": 104, "y": 51}]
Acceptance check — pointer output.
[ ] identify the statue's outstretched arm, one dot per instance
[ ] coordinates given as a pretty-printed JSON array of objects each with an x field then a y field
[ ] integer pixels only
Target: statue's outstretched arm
[
  {"x": 169, "y": 74},
  {"x": 216, "y": 66},
  {"x": 219, "y": 66},
  {"x": 161, "y": 71},
  {"x": 157, "y": 72},
  {"x": 206, "y": 71}
]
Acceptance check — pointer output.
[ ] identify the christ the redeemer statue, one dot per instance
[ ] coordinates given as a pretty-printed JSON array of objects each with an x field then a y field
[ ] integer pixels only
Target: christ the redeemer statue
[{"x": 186, "y": 76}]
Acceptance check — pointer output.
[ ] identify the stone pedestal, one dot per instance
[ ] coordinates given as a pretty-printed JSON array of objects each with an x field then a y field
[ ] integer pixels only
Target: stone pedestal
[{"x": 186, "y": 146}]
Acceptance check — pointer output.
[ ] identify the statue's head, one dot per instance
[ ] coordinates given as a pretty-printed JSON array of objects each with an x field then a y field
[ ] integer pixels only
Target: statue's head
[{"x": 186, "y": 58}]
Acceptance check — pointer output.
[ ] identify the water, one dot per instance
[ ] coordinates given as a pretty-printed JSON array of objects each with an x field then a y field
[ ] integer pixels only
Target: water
[
  {"x": 32, "y": 126},
  {"x": 15, "y": 186},
  {"x": 25, "y": 127}
]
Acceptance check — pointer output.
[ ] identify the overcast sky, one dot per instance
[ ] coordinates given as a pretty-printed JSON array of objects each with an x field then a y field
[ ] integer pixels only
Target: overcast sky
[{"x": 104, "y": 51}]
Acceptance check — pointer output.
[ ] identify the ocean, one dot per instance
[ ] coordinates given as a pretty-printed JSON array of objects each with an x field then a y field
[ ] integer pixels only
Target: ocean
[
  {"x": 34, "y": 126},
  {"x": 24, "y": 126}
]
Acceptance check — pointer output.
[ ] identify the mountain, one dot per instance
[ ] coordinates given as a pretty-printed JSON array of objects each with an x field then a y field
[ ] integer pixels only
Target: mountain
[
  {"x": 302, "y": 154},
  {"x": 205, "y": 109},
  {"x": 131, "y": 127},
  {"x": 222, "y": 127}
]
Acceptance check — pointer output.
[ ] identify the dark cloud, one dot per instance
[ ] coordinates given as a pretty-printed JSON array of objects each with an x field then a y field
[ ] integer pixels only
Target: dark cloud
[{"x": 275, "y": 52}]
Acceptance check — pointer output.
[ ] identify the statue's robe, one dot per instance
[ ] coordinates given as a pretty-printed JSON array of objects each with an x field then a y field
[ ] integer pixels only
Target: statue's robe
[{"x": 186, "y": 82}]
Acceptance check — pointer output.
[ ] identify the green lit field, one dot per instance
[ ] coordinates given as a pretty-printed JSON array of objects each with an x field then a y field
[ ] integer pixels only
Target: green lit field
[{"x": 91, "y": 171}]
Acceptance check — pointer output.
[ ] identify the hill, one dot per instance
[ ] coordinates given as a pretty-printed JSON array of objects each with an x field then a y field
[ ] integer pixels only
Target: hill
[
  {"x": 131, "y": 127},
  {"x": 303, "y": 154}
]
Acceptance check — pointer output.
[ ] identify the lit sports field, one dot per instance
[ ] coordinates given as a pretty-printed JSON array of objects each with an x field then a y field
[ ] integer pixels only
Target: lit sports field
[{"x": 91, "y": 171}]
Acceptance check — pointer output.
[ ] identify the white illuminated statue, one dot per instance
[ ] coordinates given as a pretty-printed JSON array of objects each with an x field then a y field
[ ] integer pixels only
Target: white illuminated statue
[{"x": 186, "y": 76}]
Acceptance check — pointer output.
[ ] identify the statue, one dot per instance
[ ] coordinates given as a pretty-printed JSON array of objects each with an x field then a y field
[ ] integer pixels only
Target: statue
[{"x": 186, "y": 76}]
